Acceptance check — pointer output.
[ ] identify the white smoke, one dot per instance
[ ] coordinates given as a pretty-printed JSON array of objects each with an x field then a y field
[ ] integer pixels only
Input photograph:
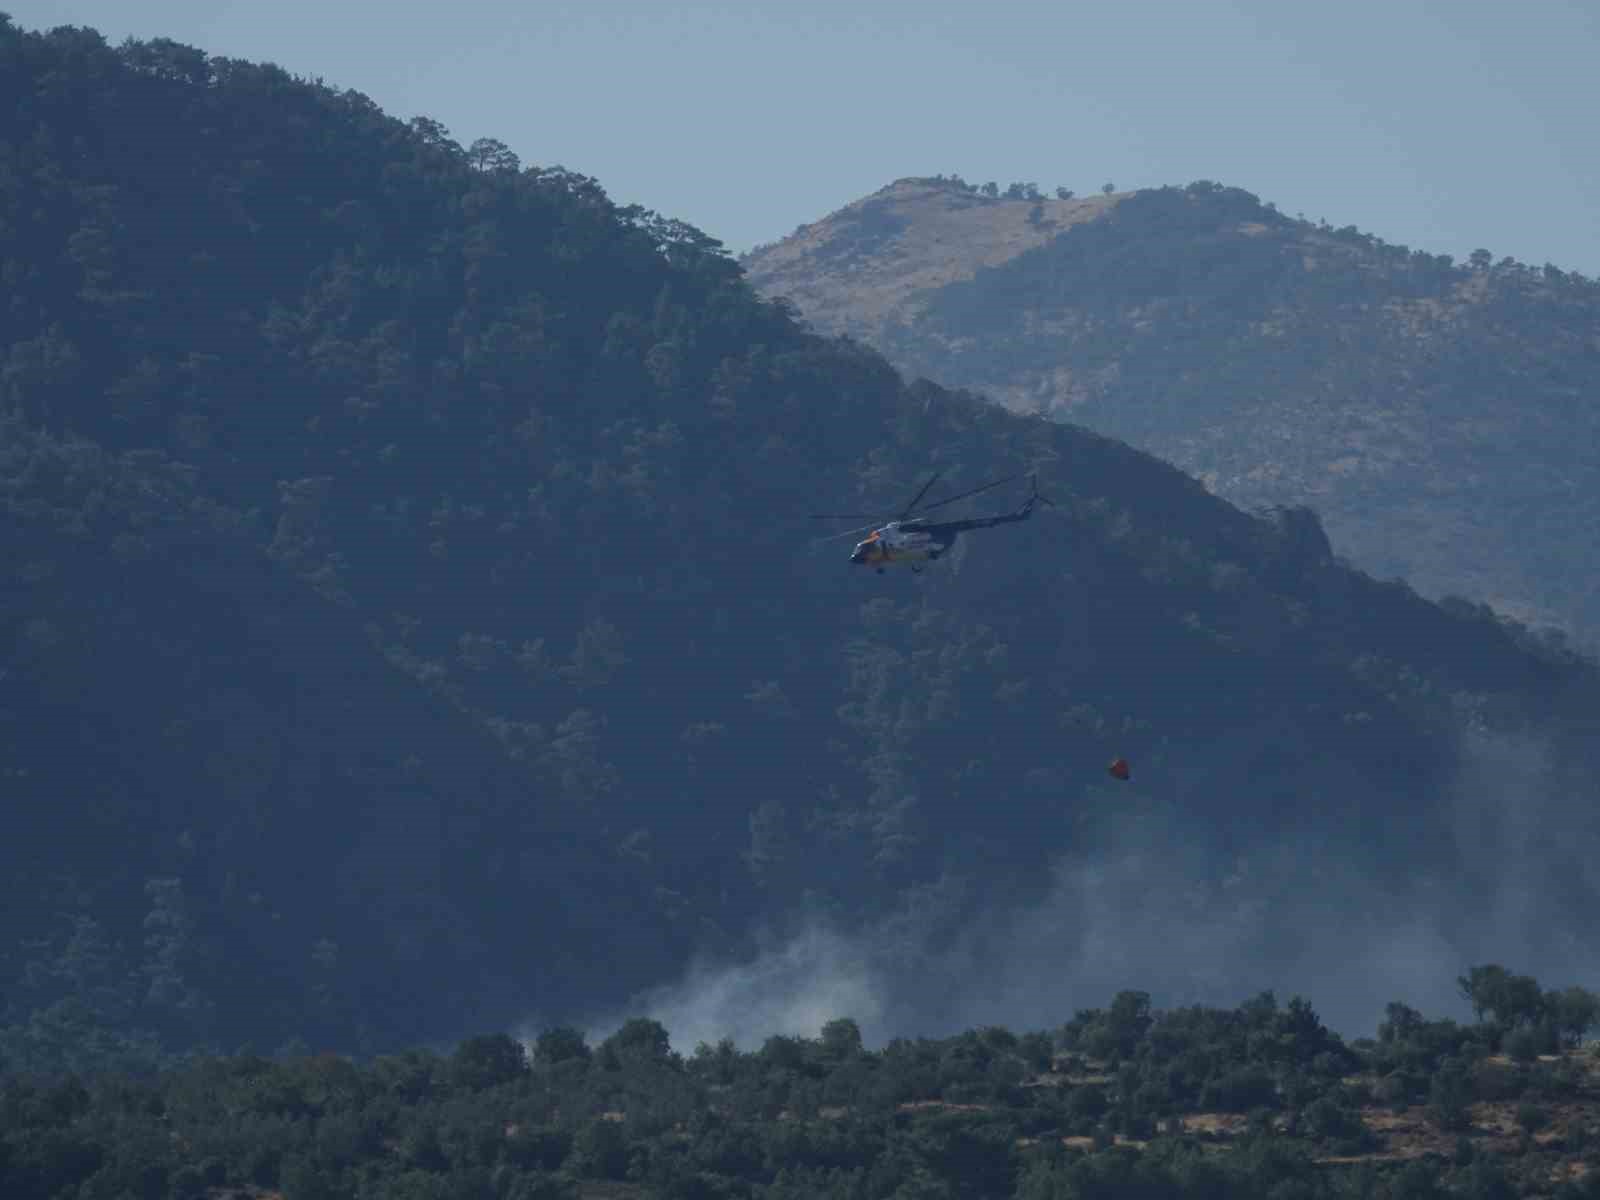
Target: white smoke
[
  {"x": 1149, "y": 911},
  {"x": 791, "y": 989}
]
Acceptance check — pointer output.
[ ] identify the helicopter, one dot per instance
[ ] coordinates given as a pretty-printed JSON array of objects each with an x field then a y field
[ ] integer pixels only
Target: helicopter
[{"x": 912, "y": 539}]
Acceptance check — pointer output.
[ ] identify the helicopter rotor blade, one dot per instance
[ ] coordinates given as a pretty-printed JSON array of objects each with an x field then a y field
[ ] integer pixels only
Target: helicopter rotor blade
[
  {"x": 834, "y": 537},
  {"x": 964, "y": 495},
  {"x": 910, "y": 508}
]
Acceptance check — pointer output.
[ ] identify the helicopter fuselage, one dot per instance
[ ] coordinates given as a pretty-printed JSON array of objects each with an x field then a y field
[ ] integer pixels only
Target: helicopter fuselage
[
  {"x": 902, "y": 543},
  {"x": 914, "y": 540}
]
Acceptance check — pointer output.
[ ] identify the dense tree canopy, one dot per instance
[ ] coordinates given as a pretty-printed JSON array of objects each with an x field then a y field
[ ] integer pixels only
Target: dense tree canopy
[{"x": 1256, "y": 1101}]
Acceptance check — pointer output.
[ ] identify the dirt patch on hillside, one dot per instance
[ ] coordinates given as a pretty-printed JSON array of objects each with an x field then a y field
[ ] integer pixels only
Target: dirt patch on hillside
[{"x": 855, "y": 269}]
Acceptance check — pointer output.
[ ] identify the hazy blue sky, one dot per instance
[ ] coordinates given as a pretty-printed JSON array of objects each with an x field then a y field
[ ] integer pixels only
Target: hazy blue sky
[{"x": 1443, "y": 125}]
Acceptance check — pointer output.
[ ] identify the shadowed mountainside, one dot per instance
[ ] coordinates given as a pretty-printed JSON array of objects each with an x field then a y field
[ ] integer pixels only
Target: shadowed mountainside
[{"x": 410, "y": 622}]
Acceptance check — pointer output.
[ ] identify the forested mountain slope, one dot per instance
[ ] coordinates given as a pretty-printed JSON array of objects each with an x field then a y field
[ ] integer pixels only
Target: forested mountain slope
[
  {"x": 411, "y": 624},
  {"x": 1438, "y": 416}
]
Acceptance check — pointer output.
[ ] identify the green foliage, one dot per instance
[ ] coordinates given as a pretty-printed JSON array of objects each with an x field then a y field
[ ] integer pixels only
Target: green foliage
[
  {"x": 599, "y": 1150},
  {"x": 639, "y": 1040},
  {"x": 558, "y": 1045},
  {"x": 1449, "y": 1096},
  {"x": 1574, "y": 1011},
  {"x": 488, "y": 1061},
  {"x": 1523, "y": 1018},
  {"x": 1507, "y": 999},
  {"x": 841, "y": 1039},
  {"x": 478, "y": 1123}
]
